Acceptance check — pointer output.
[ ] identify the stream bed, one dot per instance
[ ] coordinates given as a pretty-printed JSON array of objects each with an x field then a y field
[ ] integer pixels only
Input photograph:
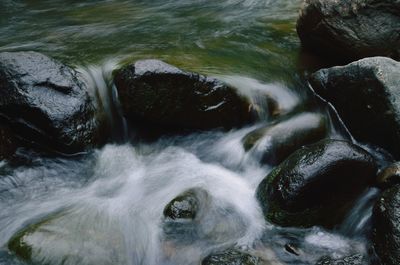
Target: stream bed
[{"x": 106, "y": 206}]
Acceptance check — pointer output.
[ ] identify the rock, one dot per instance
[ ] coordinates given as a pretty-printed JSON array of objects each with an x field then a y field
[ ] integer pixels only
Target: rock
[
  {"x": 185, "y": 206},
  {"x": 160, "y": 95},
  {"x": 70, "y": 238},
  {"x": 8, "y": 143},
  {"x": 231, "y": 257},
  {"x": 273, "y": 143},
  {"x": 386, "y": 226},
  {"x": 348, "y": 30},
  {"x": 292, "y": 249},
  {"x": 315, "y": 184},
  {"x": 389, "y": 176},
  {"x": 356, "y": 259},
  {"x": 367, "y": 97},
  {"x": 44, "y": 102}
]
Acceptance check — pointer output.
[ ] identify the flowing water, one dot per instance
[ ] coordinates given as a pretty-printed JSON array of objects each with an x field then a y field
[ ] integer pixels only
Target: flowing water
[{"x": 106, "y": 206}]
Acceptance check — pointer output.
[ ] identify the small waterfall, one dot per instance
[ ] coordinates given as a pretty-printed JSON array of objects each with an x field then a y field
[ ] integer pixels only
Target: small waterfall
[
  {"x": 357, "y": 221},
  {"x": 267, "y": 99},
  {"x": 99, "y": 79}
]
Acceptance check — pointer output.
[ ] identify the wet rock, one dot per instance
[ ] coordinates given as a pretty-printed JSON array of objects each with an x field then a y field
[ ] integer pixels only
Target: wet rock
[
  {"x": 231, "y": 257},
  {"x": 292, "y": 249},
  {"x": 349, "y": 260},
  {"x": 273, "y": 143},
  {"x": 185, "y": 206},
  {"x": 389, "y": 176},
  {"x": 70, "y": 238},
  {"x": 386, "y": 226},
  {"x": 160, "y": 95},
  {"x": 8, "y": 143},
  {"x": 315, "y": 184},
  {"x": 44, "y": 102},
  {"x": 366, "y": 95},
  {"x": 348, "y": 30}
]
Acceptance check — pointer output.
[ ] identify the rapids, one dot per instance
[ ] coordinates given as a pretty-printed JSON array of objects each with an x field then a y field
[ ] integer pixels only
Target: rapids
[{"x": 106, "y": 206}]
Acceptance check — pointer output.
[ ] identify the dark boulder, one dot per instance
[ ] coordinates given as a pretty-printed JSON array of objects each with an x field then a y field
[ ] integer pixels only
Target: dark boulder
[
  {"x": 366, "y": 95},
  {"x": 386, "y": 226},
  {"x": 45, "y": 103},
  {"x": 356, "y": 259},
  {"x": 348, "y": 30},
  {"x": 273, "y": 143},
  {"x": 389, "y": 176},
  {"x": 231, "y": 257},
  {"x": 315, "y": 184},
  {"x": 157, "y": 94}
]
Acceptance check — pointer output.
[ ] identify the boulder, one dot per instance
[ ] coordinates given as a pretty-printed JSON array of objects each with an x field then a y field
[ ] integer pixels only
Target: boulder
[
  {"x": 160, "y": 95},
  {"x": 44, "y": 102},
  {"x": 386, "y": 226},
  {"x": 366, "y": 95},
  {"x": 389, "y": 176},
  {"x": 348, "y": 30},
  {"x": 273, "y": 143},
  {"x": 231, "y": 257},
  {"x": 316, "y": 184}
]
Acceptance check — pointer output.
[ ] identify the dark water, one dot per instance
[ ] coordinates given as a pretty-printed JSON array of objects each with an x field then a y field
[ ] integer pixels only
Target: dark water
[
  {"x": 250, "y": 37},
  {"x": 105, "y": 207}
]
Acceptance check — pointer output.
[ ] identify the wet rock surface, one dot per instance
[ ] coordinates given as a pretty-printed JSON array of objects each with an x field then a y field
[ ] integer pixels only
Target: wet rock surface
[
  {"x": 273, "y": 143},
  {"x": 185, "y": 206},
  {"x": 45, "y": 103},
  {"x": 349, "y": 260},
  {"x": 315, "y": 184},
  {"x": 160, "y": 95},
  {"x": 389, "y": 176},
  {"x": 231, "y": 257},
  {"x": 366, "y": 95},
  {"x": 347, "y": 30},
  {"x": 386, "y": 226}
]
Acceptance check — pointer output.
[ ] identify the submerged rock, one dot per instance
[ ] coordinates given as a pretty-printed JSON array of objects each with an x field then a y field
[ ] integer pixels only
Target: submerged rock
[
  {"x": 70, "y": 239},
  {"x": 231, "y": 257},
  {"x": 44, "y": 102},
  {"x": 389, "y": 176},
  {"x": 273, "y": 143},
  {"x": 158, "y": 94},
  {"x": 386, "y": 226},
  {"x": 314, "y": 185},
  {"x": 367, "y": 97},
  {"x": 348, "y": 30},
  {"x": 356, "y": 259}
]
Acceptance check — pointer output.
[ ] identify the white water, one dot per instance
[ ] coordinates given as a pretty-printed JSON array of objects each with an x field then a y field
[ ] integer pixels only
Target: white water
[{"x": 107, "y": 207}]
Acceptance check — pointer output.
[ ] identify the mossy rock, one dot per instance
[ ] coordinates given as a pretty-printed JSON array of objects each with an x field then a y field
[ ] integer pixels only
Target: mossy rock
[{"x": 69, "y": 238}]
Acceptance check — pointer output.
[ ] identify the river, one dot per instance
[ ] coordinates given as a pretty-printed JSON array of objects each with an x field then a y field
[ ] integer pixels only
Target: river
[{"x": 106, "y": 206}]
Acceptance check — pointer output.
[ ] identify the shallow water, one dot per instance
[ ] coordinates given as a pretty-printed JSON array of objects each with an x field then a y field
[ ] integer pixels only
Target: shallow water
[{"x": 106, "y": 207}]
